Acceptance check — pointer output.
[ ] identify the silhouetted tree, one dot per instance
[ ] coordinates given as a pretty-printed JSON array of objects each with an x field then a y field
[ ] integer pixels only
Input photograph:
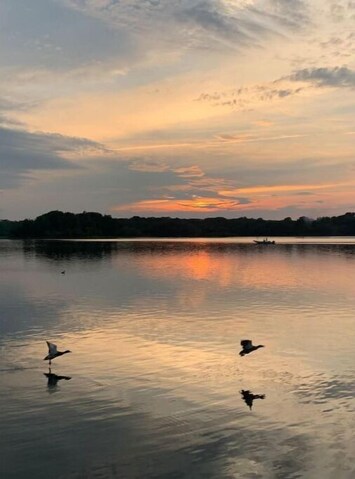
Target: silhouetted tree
[{"x": 57, "y": 224}]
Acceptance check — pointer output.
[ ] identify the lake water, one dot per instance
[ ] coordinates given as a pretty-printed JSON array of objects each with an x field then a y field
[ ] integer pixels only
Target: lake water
[{"x": 152, "y": 388}]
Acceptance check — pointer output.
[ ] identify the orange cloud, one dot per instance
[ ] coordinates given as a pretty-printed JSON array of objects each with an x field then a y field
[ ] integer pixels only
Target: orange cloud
[
  {"x": 234, "y": 138},
  {"x": 189, "y": 171},
  {"x": 159, "y": 146},
  {"x": 174, "y": 205},
  {"x": 264, "y": 123},
  {"x": 282, "y": 188}
]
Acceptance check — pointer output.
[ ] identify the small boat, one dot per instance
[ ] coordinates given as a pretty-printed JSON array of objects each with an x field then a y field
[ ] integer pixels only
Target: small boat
[{"x": 264, "y": 241}]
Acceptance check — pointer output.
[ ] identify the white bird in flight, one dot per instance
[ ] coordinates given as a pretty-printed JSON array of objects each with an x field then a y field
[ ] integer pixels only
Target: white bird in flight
[{"x": 53, "y": 352}]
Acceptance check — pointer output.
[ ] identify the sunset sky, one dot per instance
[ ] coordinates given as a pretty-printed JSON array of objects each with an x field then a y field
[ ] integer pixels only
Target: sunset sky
[{"x": 187, "y": 108}]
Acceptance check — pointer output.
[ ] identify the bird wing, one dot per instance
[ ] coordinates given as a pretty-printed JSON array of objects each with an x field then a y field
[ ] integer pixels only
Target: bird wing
[
  {"x": 52, "y": 348},
  {"x": 245, "y": 343}
]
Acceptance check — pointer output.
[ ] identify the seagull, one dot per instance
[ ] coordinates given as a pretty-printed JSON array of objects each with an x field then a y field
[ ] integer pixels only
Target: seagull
[
  {"x": 248, "y": 347},
  {"x": 53, "y": 352}
]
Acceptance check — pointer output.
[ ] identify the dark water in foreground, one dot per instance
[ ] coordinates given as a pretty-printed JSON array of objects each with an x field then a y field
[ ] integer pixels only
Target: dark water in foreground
[{"x": 155, "y": 378}]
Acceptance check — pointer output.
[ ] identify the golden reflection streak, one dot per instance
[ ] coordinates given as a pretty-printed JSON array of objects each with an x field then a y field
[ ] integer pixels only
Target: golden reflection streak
[{"x": 253, "y": 269}]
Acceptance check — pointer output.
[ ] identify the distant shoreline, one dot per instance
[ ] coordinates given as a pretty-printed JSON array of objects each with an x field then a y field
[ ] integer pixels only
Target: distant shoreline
[{"x": 90, "y": 225}]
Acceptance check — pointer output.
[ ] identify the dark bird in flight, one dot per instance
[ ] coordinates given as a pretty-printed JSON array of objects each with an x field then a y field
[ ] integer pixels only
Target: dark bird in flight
[
  {"x": 62, "y": 272},
  {"x": 54, "y": 378},
  {"x": 248, "y": 397},
  {"x": 53, "y": 352},
  {"x": 248, "y": 347}
]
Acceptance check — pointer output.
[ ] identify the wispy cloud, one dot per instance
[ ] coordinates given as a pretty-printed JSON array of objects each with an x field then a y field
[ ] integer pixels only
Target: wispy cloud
[
  {"x": 22, "y": 153},
  {"x": 339, "y": 77},
  {"x": 193, "y": 171},
  {"x": 148, "y": 165},
  {"x": 264, "y": 123},
  {"x": 248, "y": 138},
  {"x": 244, "y": 98},
  {"x": 284, "y": 188},
  {"x": 282, "y": 88},
  {"x": 211, "y": 23},
  {"x": 50, "y": 36},
  {"x": 196, "y": 204}
]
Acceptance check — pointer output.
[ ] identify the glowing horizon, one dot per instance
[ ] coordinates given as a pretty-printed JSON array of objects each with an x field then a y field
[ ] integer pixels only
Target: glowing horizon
[{"x": 213, "y": 108}]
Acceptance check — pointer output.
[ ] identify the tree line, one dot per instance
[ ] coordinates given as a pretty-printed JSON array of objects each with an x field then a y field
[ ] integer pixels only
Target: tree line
[{"x": 58, "y": 224}]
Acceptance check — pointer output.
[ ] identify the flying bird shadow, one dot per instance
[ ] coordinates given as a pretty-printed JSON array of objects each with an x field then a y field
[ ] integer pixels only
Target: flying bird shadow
[{"x": 248, "y": 397}]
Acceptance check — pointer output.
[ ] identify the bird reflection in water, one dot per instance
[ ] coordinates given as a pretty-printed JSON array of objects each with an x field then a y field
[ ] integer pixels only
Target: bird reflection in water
[
  {"x": 247, "y": 346},
  {"x": 53, "y": 380},
  {"x": 248, "y": 397}
]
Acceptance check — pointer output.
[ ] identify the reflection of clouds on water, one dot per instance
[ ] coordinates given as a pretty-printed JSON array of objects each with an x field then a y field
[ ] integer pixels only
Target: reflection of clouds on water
[
  {"x": 328, "y": 390},
  {"x": 118, "y": 437},
  {"x": 244, "y": 266},
  {"x": 232, "y": 269},
  {"x": 23, "y": 308},
  {"x": 157, "y": 368}
]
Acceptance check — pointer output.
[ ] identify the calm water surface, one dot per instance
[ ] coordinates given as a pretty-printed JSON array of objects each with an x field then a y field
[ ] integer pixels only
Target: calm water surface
[{"x": 152, "y": 388}]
